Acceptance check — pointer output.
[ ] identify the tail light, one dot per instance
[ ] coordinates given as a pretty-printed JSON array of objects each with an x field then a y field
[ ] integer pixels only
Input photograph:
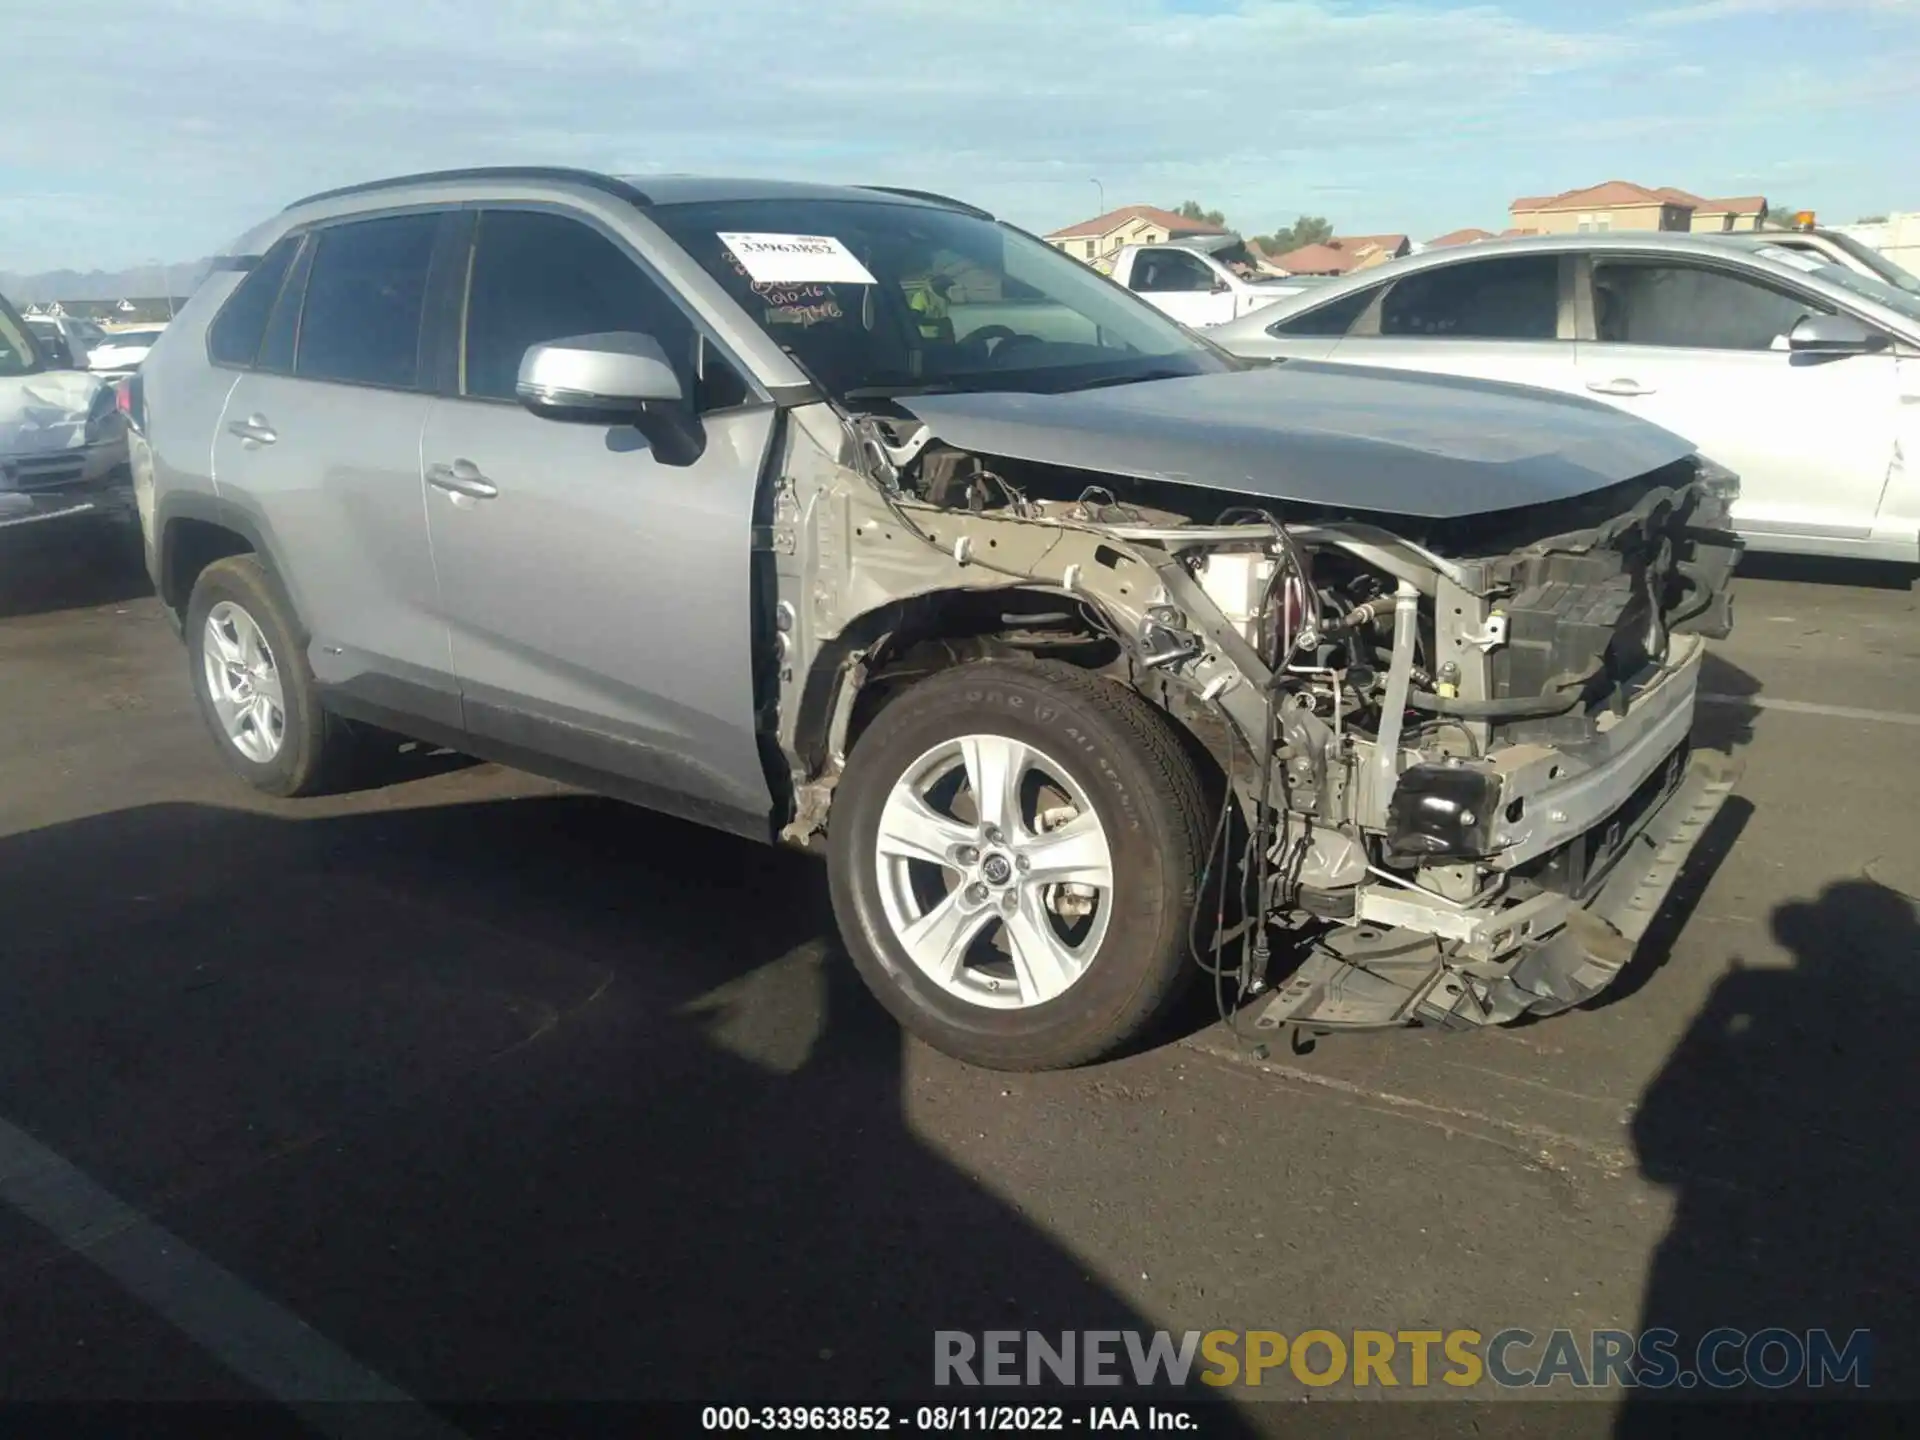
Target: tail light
[{"x": 130, "y": 400}]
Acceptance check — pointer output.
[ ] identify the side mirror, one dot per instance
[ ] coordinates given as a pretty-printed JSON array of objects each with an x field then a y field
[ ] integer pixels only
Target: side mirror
[
  {"x": 1221, "y": 286},
  {"x": 1834, "y": 335},
  {"x": 606, "y": 379}
]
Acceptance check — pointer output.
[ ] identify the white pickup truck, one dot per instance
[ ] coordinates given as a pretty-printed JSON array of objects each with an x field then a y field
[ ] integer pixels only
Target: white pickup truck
[{"x": 1198, "y": 284}]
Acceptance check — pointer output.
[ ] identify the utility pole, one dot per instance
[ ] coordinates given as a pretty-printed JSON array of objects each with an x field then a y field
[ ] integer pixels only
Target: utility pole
[{"x": 1102, "y": 191}]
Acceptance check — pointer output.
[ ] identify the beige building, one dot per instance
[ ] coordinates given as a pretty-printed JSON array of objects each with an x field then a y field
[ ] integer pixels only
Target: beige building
[
  {"x": 1622, "y": 205},
  {"x": 1098, "y": 240}
]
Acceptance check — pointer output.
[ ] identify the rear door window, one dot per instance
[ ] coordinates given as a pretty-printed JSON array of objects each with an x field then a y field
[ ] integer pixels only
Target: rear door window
[
  {"x": 1511, "y": 297},
  {"x": 365, "y": 295}
]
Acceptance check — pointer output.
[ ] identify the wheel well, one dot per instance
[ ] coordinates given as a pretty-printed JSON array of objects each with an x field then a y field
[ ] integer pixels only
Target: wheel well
[
  {"x": 188, "y": 547},
  {"x": 911, "y": 639}
]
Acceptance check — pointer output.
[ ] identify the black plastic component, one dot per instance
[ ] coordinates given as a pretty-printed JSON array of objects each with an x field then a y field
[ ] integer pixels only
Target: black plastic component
[
  {"x": 1564, "y": 622},
  {"x": 1442, "y": 812},
  {"x": 1589, "y": 611}
]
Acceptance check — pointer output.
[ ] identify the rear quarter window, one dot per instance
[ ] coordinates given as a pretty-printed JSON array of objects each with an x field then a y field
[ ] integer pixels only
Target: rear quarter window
[
  {"x": 1333, "y": 319},
  {"x": 234, "y": 337}
]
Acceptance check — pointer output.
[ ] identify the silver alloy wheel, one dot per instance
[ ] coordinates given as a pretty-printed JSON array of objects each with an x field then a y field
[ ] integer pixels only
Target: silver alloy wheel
[
  {"x": 995, "y": 873},
  {"x": 244, "y": 682}
]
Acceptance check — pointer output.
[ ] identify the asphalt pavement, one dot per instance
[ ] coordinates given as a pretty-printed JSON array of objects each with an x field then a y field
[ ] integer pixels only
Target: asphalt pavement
[{"x": 468, "y": 1087}]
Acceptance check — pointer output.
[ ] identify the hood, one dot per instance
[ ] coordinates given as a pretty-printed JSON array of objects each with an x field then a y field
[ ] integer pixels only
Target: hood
[
  {"x": 1385, "y": 441},
  {"x": 46, "y": 412}
]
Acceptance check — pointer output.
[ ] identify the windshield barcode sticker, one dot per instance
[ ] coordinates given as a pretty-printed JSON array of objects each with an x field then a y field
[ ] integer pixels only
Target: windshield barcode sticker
[{"x": 796, "y": 259}]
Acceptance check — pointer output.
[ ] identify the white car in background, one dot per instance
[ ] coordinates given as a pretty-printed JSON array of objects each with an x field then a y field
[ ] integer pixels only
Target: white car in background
[
  {"x": 68, "y": 343},
  {"x": 1202, "y": 282},
  {"x": 123, "y": 350},
  {"x": 1800, "y": 375}
]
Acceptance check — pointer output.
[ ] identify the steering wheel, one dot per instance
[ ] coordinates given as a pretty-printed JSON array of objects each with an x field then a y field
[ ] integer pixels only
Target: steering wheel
[
  {"x": 987, "y": 334},
  {"x": 997, "y": 341}
]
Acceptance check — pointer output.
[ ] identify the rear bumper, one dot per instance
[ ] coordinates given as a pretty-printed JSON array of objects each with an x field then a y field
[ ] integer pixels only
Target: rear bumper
[{"x": 1539, "y": 956}]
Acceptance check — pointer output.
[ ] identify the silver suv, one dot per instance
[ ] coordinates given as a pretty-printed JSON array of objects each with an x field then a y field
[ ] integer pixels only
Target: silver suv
[{"x": 856, "y": 520}]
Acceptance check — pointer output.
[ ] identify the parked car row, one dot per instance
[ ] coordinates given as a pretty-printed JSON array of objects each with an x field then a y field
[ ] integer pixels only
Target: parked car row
[
  {"x": 71, "y": 344},
  {"x": 1799, "y": 373}
]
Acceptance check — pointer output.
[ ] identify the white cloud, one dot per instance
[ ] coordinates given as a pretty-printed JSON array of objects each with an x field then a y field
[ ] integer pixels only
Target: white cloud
[
  {"x": 197, "y": 118},
  {"x": 201, "y": 116},
  {"x": 1702, "y": 12}
]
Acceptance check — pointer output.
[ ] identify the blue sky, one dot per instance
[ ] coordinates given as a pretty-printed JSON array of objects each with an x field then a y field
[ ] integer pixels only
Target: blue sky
[{"x": 172, "y": 125}]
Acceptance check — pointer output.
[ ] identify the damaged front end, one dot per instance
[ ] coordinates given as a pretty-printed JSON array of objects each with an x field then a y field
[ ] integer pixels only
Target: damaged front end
[
  {"x": 63, "y": 449},
  {"x": 1457, "y": 746}
]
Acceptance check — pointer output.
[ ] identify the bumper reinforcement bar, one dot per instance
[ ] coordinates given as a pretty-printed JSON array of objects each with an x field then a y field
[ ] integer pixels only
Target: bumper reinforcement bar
[{"x": 1368, "y": 977}]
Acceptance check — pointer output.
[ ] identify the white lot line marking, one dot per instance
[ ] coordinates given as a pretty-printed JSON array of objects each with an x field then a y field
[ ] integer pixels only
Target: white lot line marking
[
  {"x": 1808, "y": 707},
  {"x": 275, "y": 1350},
  {"x": 1534, "y": 1084},
  {"x": 1613, "y": 1159}
]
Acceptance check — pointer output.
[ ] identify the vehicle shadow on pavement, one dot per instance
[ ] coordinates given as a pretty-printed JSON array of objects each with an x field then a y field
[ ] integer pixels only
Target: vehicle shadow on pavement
[
  {"x": 69, "y": 565},
  {"x": 1783, "y": 1122},
  {"x": 1726, "y": 714},
  {"x": 526, "y": 1099}
]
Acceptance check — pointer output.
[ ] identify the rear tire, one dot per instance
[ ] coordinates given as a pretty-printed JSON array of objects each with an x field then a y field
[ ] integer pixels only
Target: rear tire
[
  {"x": 966, "y": 930},
  {"x": 248, "y": 664}
]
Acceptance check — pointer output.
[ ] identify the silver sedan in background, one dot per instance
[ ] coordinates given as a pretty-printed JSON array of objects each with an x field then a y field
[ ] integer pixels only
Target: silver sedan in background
[{"x": 1800, "y": 375}]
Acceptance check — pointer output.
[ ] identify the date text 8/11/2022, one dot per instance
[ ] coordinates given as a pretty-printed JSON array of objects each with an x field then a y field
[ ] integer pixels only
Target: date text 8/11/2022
[{"x": 951, "y": 1419}]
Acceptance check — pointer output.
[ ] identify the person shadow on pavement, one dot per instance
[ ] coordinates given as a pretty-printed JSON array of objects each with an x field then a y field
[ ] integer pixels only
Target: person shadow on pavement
[
  {"x": 1784, "y": 1124},
  {"x": 521, "y": 1100}
]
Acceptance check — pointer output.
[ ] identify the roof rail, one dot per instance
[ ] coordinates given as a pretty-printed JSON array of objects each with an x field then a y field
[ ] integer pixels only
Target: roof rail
[
  {"x": 557, "y": 173},
  {"x": 931, "y": 197}
]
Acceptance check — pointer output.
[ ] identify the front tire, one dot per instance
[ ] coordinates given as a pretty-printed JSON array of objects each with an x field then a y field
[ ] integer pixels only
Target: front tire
[
  {"x": 251, "y": 678},
  {"x": 1014, "y": 854}
]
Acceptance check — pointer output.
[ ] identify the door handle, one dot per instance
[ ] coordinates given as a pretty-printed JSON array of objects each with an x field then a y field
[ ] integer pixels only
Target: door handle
[
  {"x": 254, "y": 430},
  {"x": 462, "y": 477},
  {"x": 1622, "y": 386}
]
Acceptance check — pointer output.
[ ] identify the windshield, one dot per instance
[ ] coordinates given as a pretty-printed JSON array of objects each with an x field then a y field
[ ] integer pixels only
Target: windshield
[
  {"x": 1904, "y": 302},
  {"x": 18, "y": 354},
  {"x": 1879, "y": 264},
  {"x": 876, "y": 299}
]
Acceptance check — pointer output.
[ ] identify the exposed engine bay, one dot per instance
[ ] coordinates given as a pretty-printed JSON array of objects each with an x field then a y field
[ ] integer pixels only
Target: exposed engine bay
[{"x": 1456, "y": 746}]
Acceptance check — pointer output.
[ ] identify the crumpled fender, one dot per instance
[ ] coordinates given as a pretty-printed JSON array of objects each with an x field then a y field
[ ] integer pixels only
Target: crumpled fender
[{"x": 46, "y": 412}]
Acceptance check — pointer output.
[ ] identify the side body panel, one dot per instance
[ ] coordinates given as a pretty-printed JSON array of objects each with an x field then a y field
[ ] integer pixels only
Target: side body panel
[
  {"x": 599, "y": 597},
  {"x": 337, "y": 494},
  {"x": 600, "y": 603},
  {"x": 185, "y": 398}
]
